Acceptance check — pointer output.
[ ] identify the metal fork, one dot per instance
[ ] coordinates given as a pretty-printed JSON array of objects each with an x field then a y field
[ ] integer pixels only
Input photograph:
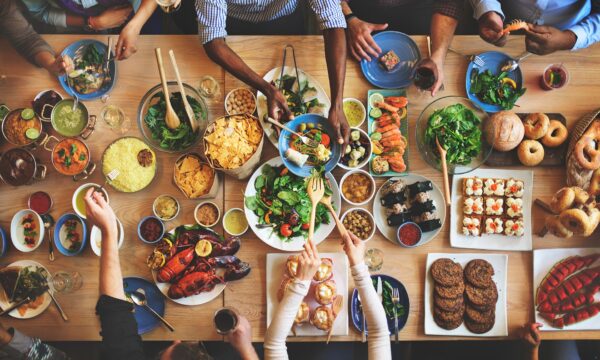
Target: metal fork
[
  {"x": 305, "y": 139},
  {"x": 395, "y": 301},
  {"x": 472, "y": 58}
]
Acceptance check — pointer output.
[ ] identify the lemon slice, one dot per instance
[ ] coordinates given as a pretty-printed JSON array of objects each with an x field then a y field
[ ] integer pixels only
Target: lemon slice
[
  {"x": 510, "y": 81},
  {"x": 32, "y": 133},
  {"x": 375, "y": 98},
  {"x": 164, "y": 246},
  {"x": 156, "y": 260},
  {"x": 27, "y": 114},
  {"x": 203, "y": 248}
]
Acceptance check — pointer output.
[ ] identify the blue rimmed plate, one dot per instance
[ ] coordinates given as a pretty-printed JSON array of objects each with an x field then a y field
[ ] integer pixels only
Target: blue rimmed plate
[
  {"x": 70, "y": 50},
  {"x": 356, "y": 314},
  {"x": 146, "y": 321},
  {"x": 493, "y": 62},
  {"x": 401, "y": 76},
  {"x": 60, "y": 234}
]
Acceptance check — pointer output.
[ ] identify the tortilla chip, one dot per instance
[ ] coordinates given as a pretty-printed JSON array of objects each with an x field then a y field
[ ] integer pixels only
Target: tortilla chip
[{"x": 233, "y": 140}]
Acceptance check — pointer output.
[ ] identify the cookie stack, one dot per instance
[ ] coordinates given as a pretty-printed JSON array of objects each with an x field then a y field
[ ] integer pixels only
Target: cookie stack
[{"x": 468, "y": 296}]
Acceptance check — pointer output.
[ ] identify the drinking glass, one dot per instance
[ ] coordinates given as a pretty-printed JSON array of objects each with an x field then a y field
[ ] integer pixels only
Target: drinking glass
[
  {"x": 226, "y": 320},
  {"x": 169, "y": 6},
  {"x": 67, "y": 281},
  {"x": 115, "y": 118},
  {"x": 209, "y": 87},
  {"x": 374, "y": 259}
]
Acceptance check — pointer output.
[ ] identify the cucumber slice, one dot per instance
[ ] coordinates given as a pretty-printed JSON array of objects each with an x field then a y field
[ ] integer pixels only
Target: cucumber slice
[
  {"x": 375, "y": 97},
  {"x": 27, "y": 114},
  {"x": 375, "y": 113},
  {"x": 376, "y": 136}
]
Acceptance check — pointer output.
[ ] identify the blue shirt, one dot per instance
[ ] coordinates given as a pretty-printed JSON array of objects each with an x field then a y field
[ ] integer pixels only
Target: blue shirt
[
  {"x": 212, "y": 14},
  {"x": 582, "y": 17}
]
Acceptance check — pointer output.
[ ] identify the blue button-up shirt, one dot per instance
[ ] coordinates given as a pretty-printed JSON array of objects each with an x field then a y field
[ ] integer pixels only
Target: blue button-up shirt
[
  {"x": 582, "y": 17},
  {"x": 212, "y": 14}
]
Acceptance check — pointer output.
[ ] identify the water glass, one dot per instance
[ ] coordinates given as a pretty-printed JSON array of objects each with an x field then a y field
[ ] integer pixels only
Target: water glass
[
  {"x": 67, "y": 281},
  {"x": 374, "y": 259},
  {"x": 115, "y": 118}
]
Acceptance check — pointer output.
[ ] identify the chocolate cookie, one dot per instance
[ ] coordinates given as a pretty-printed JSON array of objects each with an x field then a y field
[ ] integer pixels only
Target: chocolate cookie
[
  {"x": 480, "y": 317},
  {"x": 449, "y": 316},
  {"x": 481, "y": 308},
  {"x": 446, "y": 272},
  {"x": 482, "y": 296},
  {"x": 448, "y": 325},
  {"x": 479, "y": 328},
  {"x": 479, "y": 273},
  {"x": 450, "y": 292},
  {"x": 448, "y": 304}
]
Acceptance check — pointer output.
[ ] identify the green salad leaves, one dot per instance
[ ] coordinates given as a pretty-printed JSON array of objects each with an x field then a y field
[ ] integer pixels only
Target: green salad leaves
[{"x": 495, "y": 90}]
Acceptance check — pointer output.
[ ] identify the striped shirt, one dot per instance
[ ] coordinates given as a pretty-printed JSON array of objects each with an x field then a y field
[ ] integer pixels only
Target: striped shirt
[{"x": 212, "y": 14}]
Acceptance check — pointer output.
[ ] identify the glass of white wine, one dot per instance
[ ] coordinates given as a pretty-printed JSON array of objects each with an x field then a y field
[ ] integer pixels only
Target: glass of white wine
[
  {"x": 115, "y": 118},
  {"x": 67, "y": 281},
  {"x": 374, "y": 259},
  {"x": 169, "y": 6}
]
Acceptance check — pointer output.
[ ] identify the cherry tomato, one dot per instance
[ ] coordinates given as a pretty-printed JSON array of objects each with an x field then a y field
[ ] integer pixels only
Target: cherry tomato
[
  {"x": 305, "y": 226},
  {"x": 325, "y": 140},
  {"x": 286, "y": 230},
  {"x": 284, "y": 171}
]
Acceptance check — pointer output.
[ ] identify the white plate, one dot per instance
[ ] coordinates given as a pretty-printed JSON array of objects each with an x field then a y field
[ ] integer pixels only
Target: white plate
[
  {"x": 543, "y": 261},
  {"x": 4, "y": 303},
  {"x": 390, "y": 231},
  {"x": 268, "y": 236},
  {"x": 275, "y": 273},
  {"x": 198, "y": 299},
  {"x": 96, "y": 238},
  {"x": 491, "y": 242},
  {"x": 500, "y": 264},
  {"x": 261, "y": 99},
  {"x": 16, "y": 230}
]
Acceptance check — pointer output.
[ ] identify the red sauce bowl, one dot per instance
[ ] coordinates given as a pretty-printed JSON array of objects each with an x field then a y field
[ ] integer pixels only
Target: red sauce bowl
[{"x": 409, "y": 235}]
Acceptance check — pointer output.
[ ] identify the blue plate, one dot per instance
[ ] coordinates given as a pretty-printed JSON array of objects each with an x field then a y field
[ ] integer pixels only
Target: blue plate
[
  {"x": 401, "y": 76},
  {"x": 59, "y": 224},
  {"x": 493, "y": 62},
  {"x": 320, "y": 122},
  {"x": 4, "y": 243},
  {"x": 146, "y": 321},
  {"x": 112, "y": 66},
  {"x": 356, "y": 314}
]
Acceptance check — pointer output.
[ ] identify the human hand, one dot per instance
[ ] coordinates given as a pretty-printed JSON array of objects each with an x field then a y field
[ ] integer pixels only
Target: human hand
[
  {"x": 354, "y": 248},
  {"x": 308, "y": 261},
  {"x": 338, "y": 121},
  {"x": 360, "y": 41},
  {"x": 277, "y": 105},
  {"x": 490, "y": 28},
  {"x": 98, "y": 211},
  {"x": 111, "y": 18},
  {"x": 126, "y": 45},
  {"x": 438, "y": 72},
  {"x": 56, "y": 65},
  {"x": 530, "y": 335},
  {"x": 241, "y": 338},
  {"x": 543, "y": 40}
]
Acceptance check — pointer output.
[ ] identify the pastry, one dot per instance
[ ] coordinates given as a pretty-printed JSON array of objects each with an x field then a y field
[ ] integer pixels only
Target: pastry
[
  {"x": 471, "y": 226},
  {"x": 325, "y": 270},
  {"x": 514, "y": 207},
  {"x": 530, "y": 152},
  {"x": 536, "y": 125},
  {"x": 325, "y": 292},
  {"x": 557, "y": 134},
  {"x": 473, "y": 205},
  {"x": 514, "y": 227},
  {"x": 494, "y": 225}
]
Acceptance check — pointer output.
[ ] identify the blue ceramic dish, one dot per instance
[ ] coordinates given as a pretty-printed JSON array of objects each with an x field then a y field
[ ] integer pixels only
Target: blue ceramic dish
[
  {"x": 57, "y": 230},
  {"x": 493, "y": 62},
  {"x": 112, "y": 67},
  {"x": 3, "y": 238},
  {"x": 320, "y": 122},
  {"x": 139, "y": 230},
  {"x": 400, "y": 76},
  {"x": 146, "y": 321},
  {"x": 356, "y": 314}
]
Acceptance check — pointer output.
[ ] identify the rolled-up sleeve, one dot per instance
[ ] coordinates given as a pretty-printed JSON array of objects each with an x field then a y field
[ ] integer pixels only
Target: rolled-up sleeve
[
  {"x": 481, "y": 7},
  {"x": 212, "y": 19},
  {"x": 588, "y": 29},
  {"x": 120, "y": 339},
  {"x": 451, "y": 8},
  {"x": 43, "y": 11},
  {"x": 329, "y": 14}
]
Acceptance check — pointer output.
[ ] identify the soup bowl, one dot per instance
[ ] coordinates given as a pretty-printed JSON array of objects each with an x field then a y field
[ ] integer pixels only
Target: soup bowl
[{"x": 71, "y": 123}]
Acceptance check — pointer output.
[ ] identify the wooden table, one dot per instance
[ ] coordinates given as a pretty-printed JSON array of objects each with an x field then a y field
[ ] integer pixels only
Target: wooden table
[{"x": 22, "y": 81}]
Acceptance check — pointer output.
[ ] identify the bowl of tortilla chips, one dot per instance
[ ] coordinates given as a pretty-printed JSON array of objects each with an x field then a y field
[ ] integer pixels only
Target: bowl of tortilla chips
[
  {"x": 233, "y": 144},
  {"x": 194, "y": 177}
]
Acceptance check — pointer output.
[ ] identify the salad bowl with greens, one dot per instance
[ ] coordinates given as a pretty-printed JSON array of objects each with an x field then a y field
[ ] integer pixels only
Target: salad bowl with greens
[{"x": 278, "y": 208}]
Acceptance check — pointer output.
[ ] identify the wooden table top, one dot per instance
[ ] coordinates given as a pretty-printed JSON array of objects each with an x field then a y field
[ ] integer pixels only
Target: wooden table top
[{"x": 21, "y": 81}]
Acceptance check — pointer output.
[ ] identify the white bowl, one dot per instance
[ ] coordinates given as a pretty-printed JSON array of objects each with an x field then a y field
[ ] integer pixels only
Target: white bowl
[
  {"x": 368, "y": 153},
  {"x": 96, "y": 238},
  {"x": 176, "y": 202},
  {"x": 216, "y": 207},
  {"x": 84, "y": 187},
  {"x": 240, "y": 89},
  {"x": 16, "y": 230},
  {"x": 361, "y": 105},
  {"x": 358, "y": 171},
  {"x": 225, "y": 227},
  {"x": 364, "y": 211}
]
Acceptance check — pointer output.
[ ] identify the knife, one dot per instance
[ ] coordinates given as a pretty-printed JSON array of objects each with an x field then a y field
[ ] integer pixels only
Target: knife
[
  {"x": 62, "y": 313},
  {"x": 364, "y": 323},
  {"x": 380, "y": 289},
  {"x": 16, "y": 305}
]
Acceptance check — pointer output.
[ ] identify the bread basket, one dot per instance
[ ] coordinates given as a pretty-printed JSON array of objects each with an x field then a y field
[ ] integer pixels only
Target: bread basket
[{"x": 576, "y": 176}]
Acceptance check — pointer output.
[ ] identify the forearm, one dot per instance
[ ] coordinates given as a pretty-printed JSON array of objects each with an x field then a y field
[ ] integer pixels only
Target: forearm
[
  {"x": 144, "y": 12},
  {"x": 111, "y": 279},
  {"x": 44, "y": 59},
  {"x": 481, "y": 7},
  {"x": 75, "y": 21},
  {"x": 346, "y": 10},
  {"x": 587, "y": 31},
  {"x": 442, "y": 32},
  {"x": 335, "y": 54}
]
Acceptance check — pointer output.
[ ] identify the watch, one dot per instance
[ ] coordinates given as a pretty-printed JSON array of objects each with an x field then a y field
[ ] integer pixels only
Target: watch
[
  {"x": 87, "y": 26},
  {"x": 349, "y": 16}
]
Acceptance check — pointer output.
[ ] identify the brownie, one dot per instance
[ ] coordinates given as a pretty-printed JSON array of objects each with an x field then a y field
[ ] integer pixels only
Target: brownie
[
  {"x": 482, "y": 296},
  {"x": 446, "y": 272},
  {"x": 479, "y": 273},
  {"x": 450, "y": 292}
]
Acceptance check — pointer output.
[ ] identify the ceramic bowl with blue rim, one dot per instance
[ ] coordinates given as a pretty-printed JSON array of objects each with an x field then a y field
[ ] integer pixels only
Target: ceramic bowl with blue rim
[
  {"x": 4, "y": 243},
  {"x": 70, "y": 234},
  {"x": 356, "y": 314},
  {"x": 317, "y": 122},
  {"x": 399, "y": 76},
  {"x": 75, "y": 50},
  {"x": 146, "y": 321},
  {"x": 493, "y": 61}
]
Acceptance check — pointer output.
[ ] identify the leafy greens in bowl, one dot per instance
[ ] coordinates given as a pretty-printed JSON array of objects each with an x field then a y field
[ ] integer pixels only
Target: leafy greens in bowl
[{"x": 151, "y": 118}]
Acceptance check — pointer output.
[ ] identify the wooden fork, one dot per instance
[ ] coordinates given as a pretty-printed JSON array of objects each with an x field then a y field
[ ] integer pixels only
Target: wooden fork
[{"x": 315, "y": 190}]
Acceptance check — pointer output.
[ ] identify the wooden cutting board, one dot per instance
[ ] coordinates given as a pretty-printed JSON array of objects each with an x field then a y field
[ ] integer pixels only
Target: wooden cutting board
[{"x": 552, "y": 156}]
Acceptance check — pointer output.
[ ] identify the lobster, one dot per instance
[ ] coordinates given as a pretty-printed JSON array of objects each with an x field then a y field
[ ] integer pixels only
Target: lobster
[
  {"x": 572, "y": 317},
  {"x": 202, "y": 275},
  {"x": 220, "y": 246},
  {"x": 176, "y": 264},
  {"x": 560, "y": 271}
]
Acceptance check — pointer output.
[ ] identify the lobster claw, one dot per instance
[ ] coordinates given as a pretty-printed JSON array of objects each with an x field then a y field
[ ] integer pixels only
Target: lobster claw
[
  {"x": 228, "y": 246},
  {"x": 237, "y": 272}
]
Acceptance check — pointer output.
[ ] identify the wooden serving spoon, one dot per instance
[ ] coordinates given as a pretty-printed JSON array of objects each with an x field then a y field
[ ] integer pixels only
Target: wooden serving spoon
[
  {"x": 171, "y": 118},
  {"x": 442, "y": 152},
  {"x": 186, "y": 104}
]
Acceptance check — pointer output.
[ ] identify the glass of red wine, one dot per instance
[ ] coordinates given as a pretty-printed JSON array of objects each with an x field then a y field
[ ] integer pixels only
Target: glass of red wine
[
  {"x": 424, "y": 78},
  {"x": 555, "y": 76},
  {"x": 226, "y": 320}
]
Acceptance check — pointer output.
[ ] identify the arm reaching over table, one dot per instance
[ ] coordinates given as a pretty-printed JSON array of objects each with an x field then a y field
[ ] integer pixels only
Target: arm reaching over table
[{"x": 531, "y": 339}]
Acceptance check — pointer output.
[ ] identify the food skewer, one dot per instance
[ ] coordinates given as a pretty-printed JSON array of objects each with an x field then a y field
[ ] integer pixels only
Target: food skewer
[
  {"x": 186, "y": 104},
  {"x": 442, "y": 152},
  {"x": 171, "y": 118}
]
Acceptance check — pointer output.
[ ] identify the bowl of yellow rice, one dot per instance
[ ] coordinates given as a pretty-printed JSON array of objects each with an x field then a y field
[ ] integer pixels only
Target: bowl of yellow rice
[{"x": 133, "y": 160}]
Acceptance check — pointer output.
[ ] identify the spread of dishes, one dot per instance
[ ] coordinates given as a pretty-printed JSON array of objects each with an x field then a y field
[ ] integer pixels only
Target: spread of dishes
[{"x": 25, "y": 279}]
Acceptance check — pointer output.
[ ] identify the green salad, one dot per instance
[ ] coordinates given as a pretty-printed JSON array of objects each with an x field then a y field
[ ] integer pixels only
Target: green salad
[
  {"x": 458, "y": 130},
  {"x": 495, "y": 89},
  {"x": 300, "y": 101},
  {"x": 281, "y": 200},
  {"x": 173, "y": 139},
  {"x": 388, "y": 304}
]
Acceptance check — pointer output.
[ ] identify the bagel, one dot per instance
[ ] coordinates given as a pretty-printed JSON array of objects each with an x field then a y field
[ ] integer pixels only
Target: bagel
[
  {"x": 576, "y": 221},
  {"x": 594, "y": 188},
  {"x": 587, "y": 153},
  {"x": 562, "y": 200},
  {"x": 530, "y": 152},
  {"x": 555, "y": 227},
  {"x": 536, "y": 125},
  {"x": 556, "y": 135},
  {"x": 581, "y": 196},
  {"x": 594, "y": 219}
]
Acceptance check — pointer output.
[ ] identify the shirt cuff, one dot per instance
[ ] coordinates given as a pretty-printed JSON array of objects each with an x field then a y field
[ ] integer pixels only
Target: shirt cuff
[
  {"x": 300, "y": 287},
  {"x": 109, "y": 304},
  {"x": 582, "y": 36},
  {"x": 486, "y": 6},
  {"x": 359, "y": 269},
  {"x": 208, "y": 34},
  {"x": 332, "y": 18},
  {"x": 20, "y": 342}
]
